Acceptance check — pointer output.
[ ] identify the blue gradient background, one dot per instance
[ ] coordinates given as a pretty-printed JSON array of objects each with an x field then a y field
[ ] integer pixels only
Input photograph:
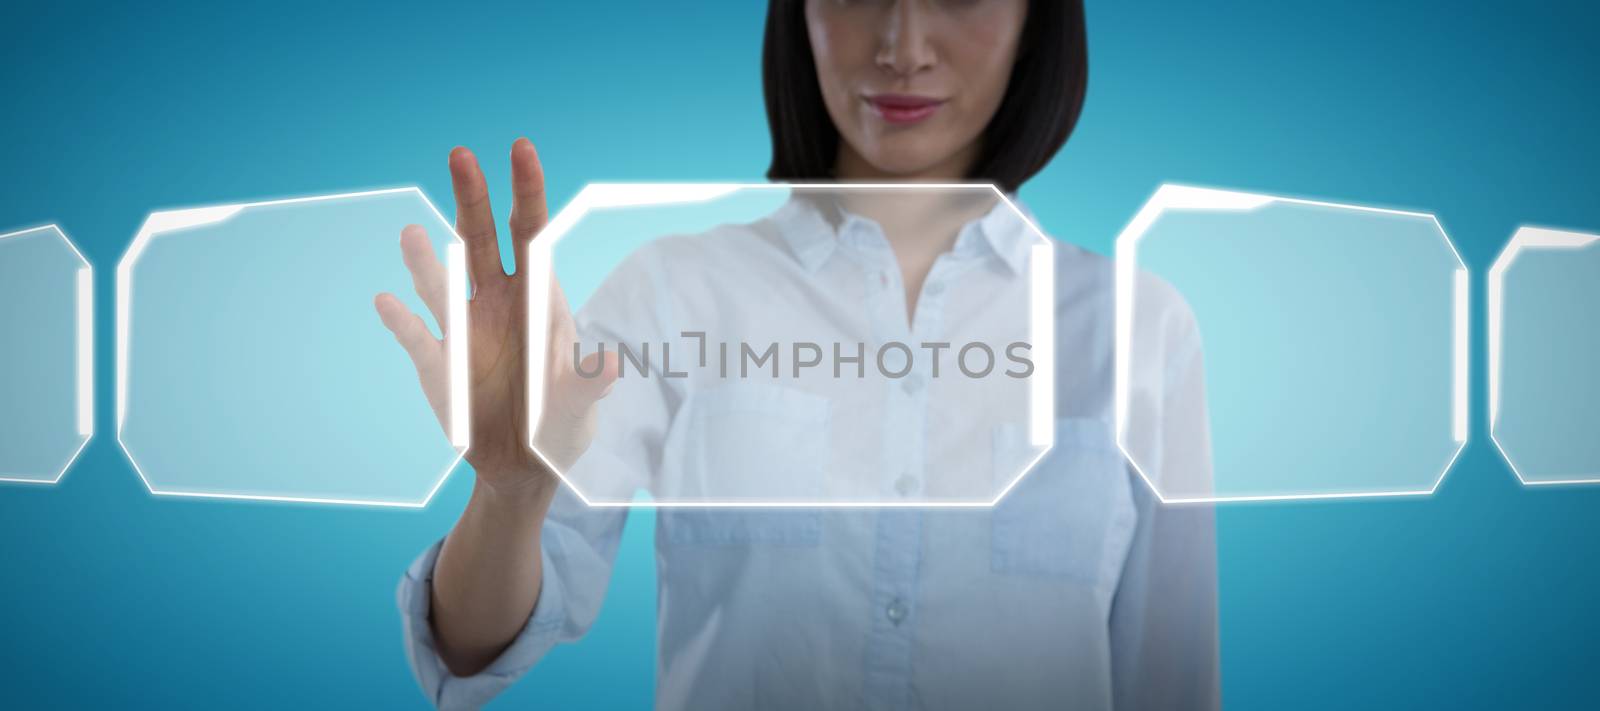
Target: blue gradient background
[{"x": 1481, "y": 596}]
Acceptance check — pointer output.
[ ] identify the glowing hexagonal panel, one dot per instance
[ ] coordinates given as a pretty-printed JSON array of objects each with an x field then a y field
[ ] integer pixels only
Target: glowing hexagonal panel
[
  {"x": 768, "y": 351},
  {"x": 1544, "y": 356},
  {"x": 252, "y": 364},
  {"x": 47, "y": 363},
  {"x": 1326, "y": 344}
]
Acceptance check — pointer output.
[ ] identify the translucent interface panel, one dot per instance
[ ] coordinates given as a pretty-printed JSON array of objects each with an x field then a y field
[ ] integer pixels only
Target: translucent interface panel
[
  {"x": 46, "y": 362},
  {"x": 1323, "y": 348},
  {"x": 767, "y": 352},
  {"x": 1544, "y": 351},
  {"x": 252, "y": 363}
]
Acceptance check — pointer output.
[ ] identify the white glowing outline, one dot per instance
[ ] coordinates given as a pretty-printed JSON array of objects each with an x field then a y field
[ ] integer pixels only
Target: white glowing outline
[
  {"x": 614, "y": 195},
  {"x": 1184, "y": 197},
  {"x": 1042, "y": 336},
  {"x": 1526, "y": 237},
  {"x": 84, "y": 290},
  {"x": 164, "y": 221},
  {"x": 460, "y": 385}
]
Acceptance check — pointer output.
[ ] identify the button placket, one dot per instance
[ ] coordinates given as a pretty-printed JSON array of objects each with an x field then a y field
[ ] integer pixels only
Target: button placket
[
  {"x": 913, "y": 383},
  {"x": 896, "y": 611},
  {"x": 907, "y": 485},
  {"x": 897, "y": 561}
]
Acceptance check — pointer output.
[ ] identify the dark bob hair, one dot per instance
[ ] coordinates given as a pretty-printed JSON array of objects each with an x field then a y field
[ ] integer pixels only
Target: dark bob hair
[{"x": 1040, "y": 108}]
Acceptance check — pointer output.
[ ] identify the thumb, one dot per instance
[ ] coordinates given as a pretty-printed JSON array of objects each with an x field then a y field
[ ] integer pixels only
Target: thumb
[{"x": 590, "y": 381}]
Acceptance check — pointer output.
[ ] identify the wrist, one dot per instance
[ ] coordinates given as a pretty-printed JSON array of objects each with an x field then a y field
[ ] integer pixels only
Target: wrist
[{"x": 518, "y": 495}]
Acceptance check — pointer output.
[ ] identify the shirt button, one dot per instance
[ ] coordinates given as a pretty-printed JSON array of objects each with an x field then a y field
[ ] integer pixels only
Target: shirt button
[
  {"x": 896, "y": 612},
  {"x": 913, "y": 383},
  {"x": 906, "y": 485}
]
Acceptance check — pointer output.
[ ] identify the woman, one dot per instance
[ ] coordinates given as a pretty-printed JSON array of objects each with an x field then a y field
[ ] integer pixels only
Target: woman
[{"x": 1077, "y": 591}]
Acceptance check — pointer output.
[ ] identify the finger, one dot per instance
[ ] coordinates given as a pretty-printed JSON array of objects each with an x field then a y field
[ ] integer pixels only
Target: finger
[
  {"x": 560, "y": 312},
  {"x": 427, "y": 354},
  {"x": 427, "y": 273},
  {"x": 578, "y": 390},
  {"x": 529, "y": 211},
  {"x": 411, "y": 332},
  {"x": 474, "y": 219},
  {"x": 562, "y": 330},
  {"x": 590, "y": 390}
]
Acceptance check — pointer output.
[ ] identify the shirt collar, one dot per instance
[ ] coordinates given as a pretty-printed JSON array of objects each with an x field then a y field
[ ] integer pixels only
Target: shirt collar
[
  {"x": 1006, "y": 231},
  {"x": 812, "y": 236}
]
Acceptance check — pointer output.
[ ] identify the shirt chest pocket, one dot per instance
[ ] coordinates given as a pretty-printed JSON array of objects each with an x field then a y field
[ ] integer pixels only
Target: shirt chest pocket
[
  {"x": 1072, "y": 517},
  {"x": 739, "y": 448}
]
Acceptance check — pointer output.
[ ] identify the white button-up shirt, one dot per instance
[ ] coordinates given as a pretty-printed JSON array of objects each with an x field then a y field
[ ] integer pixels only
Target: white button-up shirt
[{"x": 1078, "y": 590}]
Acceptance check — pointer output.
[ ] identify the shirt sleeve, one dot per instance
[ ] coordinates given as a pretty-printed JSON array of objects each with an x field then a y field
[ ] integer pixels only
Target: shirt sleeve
[
  {"x": 579, "y": 541},
  {"x": 1164, "y": 626},
  {"x": 576, "y": 569}
]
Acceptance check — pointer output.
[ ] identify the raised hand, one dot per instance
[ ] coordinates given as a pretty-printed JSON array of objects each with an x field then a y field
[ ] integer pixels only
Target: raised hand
[{"x": 497, "y": 333}]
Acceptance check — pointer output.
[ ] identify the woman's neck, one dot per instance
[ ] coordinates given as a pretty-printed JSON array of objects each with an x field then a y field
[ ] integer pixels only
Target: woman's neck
[{"x": 919, "y": 225}]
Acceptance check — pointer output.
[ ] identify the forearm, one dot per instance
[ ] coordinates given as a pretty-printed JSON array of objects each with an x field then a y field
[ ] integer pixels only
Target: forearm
[{"x": 488, "y": 575}]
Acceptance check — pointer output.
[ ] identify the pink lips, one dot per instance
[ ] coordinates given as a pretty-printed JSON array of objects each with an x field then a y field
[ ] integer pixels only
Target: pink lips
[{"x": 903, "y": 109}]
